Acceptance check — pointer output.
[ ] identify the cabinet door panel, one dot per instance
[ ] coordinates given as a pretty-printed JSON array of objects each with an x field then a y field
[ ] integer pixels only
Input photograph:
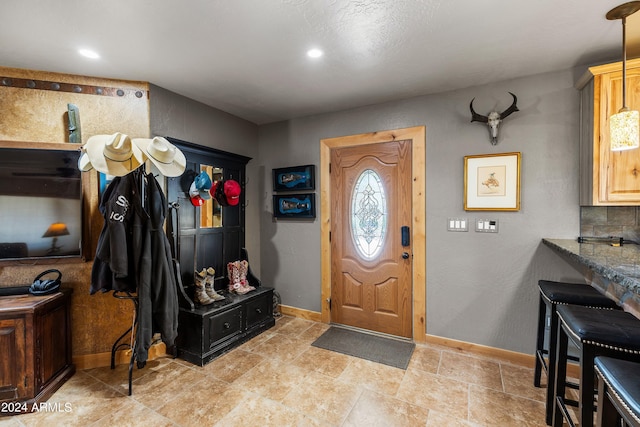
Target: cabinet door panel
[
  {"x": 53, "y": 338},
  {"x": 619, "y": 171},
  {"x": 13, "y": 360}
]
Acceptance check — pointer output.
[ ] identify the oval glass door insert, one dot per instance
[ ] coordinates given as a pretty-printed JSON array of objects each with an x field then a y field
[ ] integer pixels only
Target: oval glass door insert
[{"x": 368, "y": 214}]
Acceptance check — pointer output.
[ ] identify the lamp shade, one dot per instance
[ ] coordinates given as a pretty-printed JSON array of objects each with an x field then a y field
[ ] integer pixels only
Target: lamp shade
[
  {"x": 56, "y": 229},
  {"x": 624, "y": 128}
]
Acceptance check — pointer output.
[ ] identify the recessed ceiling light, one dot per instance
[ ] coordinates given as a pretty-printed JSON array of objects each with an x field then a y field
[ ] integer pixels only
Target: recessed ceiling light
[
  {"x": 88, "y": 53},
  {"x": 314, "y": 53}
]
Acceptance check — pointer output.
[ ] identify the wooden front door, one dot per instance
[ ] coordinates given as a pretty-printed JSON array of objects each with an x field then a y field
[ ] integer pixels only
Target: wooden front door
[{"x": 370, "y": 267}]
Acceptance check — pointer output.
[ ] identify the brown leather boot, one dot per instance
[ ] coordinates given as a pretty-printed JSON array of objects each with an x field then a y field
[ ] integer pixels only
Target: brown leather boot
[
  {"x": 208, "y": 286},
  {"x": 200, "y": 295}
]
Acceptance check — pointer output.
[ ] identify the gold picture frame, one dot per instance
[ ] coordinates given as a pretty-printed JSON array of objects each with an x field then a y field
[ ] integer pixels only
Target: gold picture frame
[{"x": 492, "y": 182}]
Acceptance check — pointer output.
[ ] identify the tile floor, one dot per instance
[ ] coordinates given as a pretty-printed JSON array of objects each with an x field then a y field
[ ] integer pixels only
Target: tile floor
[{"x": 279, "y": 379}]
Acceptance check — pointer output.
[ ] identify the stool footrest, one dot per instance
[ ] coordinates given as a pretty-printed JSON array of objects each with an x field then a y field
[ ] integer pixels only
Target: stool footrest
[
  {"x": 562, "y": 407},
  {"x": 543, "y": 362},
  {"x": 574, "y": 386}
]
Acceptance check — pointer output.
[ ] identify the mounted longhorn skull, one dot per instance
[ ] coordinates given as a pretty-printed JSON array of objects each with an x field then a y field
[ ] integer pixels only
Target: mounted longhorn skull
[{"x": 494, "y": 118}]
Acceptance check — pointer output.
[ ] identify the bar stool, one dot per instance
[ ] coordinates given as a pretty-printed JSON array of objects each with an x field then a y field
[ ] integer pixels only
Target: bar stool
[
  {"x": 553, "y": 294},
  {"x": 618, "y": 392},
  {"x": 612, "y": 333}
]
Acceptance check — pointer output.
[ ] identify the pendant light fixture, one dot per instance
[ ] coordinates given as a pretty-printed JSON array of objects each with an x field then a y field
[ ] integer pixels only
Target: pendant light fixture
[{"x": 624, "y": 127}]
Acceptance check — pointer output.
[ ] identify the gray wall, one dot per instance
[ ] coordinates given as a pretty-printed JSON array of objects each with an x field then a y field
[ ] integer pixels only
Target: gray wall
[
  {"x": 183, "y": 118},
  {"x": 481, "y": 288}
]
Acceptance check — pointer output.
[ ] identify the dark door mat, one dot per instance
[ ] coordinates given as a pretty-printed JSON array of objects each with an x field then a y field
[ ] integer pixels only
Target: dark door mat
[{"x": 389, "y": 351}]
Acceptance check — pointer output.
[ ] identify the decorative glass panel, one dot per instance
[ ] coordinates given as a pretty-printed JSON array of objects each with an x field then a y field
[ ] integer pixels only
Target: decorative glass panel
[{"x": 368, "y": 214}]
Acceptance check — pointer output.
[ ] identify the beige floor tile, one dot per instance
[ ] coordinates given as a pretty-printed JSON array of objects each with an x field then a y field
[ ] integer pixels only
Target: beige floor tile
[
  {"x": 435, "y": 392},
  {"x": 425, "y": 358},
  {"x": 256, "y": 341},
  {"x": 281, "y": 322},
  {"x": 119, "y": 377},
  {"x": 493, "y": 408},
  {"x": 373, "y": 376},
  {"x": 256, "y": 410},
  {"x": 7, "y": 421},
  {"x": 204, "y": 404},
  {"x": 281, "y": 347},
  {"x": 518, "y": 380},
  {"x": 295, "y": 327},
  {"x": 232, "y": 365},
  {"x": 131, "y": 414},
  {"x": 374, "y": 409},
  {"x": 272, "y": 378},
  {"x": 158, "y": 387},
  {"x": 438, "y": 419},
  {"x": 323, "y": 398},
  {"x": 470, "y": 369},
  {"x": 314, "y": 332},
  {"x": 323, "y": 361},
  {"x": 80, "y": 402},
  {"x": 278, "y": 378}
]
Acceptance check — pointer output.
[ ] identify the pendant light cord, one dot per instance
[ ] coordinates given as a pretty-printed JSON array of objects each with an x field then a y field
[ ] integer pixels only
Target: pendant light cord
[{"x": 624, "y": 64}]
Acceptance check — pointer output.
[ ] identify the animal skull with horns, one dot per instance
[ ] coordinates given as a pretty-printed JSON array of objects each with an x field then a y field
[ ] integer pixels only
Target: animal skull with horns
[{"x": 494, "y": 118}]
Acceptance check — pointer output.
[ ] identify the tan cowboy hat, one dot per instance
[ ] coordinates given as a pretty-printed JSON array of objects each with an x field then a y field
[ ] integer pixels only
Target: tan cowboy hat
[
  {"x": 169, "y": 160},
  {"x": 113, "y": 154}
]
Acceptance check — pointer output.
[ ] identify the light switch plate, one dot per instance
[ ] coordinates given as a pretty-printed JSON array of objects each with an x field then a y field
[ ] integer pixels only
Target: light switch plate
[
  {"x": 457, "y": 224},
  {"x": 486, "y": 225}
]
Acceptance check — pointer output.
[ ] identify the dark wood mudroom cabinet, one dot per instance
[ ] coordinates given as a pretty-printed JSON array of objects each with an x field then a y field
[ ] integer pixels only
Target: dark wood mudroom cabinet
[
  {"x": 35, "y": 338},
  {"x": 212, "y": 236},
  {"x": 209, "y": 331}
]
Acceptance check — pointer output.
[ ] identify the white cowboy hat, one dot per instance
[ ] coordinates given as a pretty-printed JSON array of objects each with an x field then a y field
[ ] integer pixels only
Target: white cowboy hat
[
  {"x": 84, "y": 164},
  {"x": 169, "y": 160},
  {"x": 113, "y": 154}
]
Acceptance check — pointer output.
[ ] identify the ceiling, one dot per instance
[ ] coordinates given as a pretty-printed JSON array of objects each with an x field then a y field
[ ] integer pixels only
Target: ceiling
[{"x": 248, "y": 57}]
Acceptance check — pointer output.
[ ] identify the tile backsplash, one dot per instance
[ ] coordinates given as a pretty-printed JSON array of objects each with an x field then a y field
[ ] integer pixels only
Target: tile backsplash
[{"x": 604, "y": 221}]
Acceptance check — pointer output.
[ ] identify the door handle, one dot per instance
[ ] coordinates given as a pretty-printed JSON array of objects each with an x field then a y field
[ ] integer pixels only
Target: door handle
[
  {"x": 404, "y": 232},
  {"x": 405, "y": 255}
]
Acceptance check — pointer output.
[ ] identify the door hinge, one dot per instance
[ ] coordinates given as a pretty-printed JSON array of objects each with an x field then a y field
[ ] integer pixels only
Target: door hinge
[
  {"x": 329, "y": 302},
  {"x": 329, "y": 236},
  {"x": 329, "y": 167}
]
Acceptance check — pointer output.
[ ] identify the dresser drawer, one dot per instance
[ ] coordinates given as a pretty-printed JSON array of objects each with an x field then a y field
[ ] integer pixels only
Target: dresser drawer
[
  {"x": 259, "y": 309},
  {"x": 225, "y": 325}
]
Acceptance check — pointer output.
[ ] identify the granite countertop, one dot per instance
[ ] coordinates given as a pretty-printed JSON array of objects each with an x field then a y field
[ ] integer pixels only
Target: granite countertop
[{"x": 619, "y": 265}]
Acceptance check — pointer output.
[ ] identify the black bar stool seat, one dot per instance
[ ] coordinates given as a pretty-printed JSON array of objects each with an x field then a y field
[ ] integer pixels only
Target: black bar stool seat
[
  {"x": 618, "y": 392},
  {"x": 613, "y": 333},
  {"x": 553, "y": 294}
]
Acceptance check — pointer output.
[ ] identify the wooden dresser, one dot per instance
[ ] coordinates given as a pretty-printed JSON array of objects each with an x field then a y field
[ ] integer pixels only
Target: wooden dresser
[{"x": 35, "y": 338}]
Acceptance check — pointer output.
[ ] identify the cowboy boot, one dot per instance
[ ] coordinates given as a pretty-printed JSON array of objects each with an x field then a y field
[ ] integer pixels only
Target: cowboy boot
[
  {"x": 200, "y": 295},
  {"x": 244, "y": 269},
  {"x": 233, "y": 268},
  {"x": 208, "y": 286}
]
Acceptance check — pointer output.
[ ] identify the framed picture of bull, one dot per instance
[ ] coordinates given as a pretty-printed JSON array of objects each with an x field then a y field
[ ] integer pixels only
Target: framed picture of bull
[
  {"x": 492, "y": 182},
  {"x": 294, "y": 206},
  {"x": 296, "y": 178}
]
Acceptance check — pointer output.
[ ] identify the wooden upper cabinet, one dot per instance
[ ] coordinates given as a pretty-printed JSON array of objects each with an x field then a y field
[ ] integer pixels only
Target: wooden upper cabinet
[{"x": 607, "y": 177}]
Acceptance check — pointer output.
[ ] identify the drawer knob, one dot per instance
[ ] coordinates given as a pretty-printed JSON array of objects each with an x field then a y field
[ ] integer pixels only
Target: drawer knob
[
  {"x": 259, "y": 310},
  {"x": 227, "y": 325}
]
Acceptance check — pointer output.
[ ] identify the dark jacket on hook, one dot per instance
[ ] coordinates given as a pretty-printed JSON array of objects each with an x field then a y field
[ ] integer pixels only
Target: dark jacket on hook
[
  {"x": 133, "y": 255},
  {"x": 157, "y": 290},
  {"x": 115, "y": 265}
]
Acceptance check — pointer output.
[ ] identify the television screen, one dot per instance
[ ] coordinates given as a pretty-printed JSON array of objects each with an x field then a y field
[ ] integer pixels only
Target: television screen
[{"x": 40, "y": 203}]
